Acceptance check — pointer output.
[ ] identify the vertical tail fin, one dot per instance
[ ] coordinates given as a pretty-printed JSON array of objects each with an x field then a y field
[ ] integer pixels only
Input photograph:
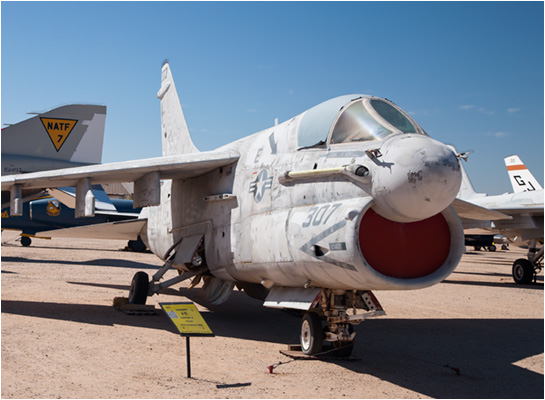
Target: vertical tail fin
[
  {"x": 521, "y": 178},
  {"x": 174, "y": 130},
  {"x": 55, "y": 139},
  {"x": 72, "y": 133},
  {"x": 467, "y": 190}
]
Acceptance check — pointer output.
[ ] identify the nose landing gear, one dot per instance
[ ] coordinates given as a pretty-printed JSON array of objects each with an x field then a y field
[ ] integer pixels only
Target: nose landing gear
[{"x": 339, "y": 332}]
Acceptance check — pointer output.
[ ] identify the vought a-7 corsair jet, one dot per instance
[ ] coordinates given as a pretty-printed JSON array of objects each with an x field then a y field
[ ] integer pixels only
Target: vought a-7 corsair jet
[{"x": 310, "y": 214}]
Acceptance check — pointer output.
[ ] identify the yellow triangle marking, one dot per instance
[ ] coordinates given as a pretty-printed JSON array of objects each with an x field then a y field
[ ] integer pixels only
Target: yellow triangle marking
[{"x": 58, "y": 130}]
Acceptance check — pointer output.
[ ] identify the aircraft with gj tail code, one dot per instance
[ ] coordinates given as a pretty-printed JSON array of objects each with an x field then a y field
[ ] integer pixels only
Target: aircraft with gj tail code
[
  {"x": 311, "y": 214},
  {"x": 524, "y": 206}
]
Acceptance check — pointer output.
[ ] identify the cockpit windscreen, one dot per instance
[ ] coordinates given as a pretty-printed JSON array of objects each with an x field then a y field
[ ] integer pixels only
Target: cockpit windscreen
[{"x": 370, "y": 119}]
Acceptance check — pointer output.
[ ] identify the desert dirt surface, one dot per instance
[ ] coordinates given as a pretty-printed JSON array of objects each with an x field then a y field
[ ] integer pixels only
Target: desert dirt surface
[{"x": 475, "y": 335}]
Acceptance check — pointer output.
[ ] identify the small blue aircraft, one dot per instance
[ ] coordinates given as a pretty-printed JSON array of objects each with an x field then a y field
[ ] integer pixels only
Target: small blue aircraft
[{"x": 49, "y": 214}]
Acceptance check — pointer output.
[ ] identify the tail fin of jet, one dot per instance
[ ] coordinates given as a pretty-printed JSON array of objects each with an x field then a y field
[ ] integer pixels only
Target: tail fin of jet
[
  {"x": 521, "y": 178},
  {"x": 467, "y": 190},
  {"x": 174, "y": 130},
  {"x": 71, "y": 134}
]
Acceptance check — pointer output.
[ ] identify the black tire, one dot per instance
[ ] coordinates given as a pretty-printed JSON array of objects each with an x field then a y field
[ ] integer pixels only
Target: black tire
[
  {"x": 523, "y": 271},
  {"x": 137, "y": 246},
  {"x": 477, "y": 248},
  {"x": 492, "y": 248},
  {"x": 504, "y": 247},
  {"x": 312, "y": 334},
  {"x": 25, "y": 241},
  {"x": 139, "y": 288}
]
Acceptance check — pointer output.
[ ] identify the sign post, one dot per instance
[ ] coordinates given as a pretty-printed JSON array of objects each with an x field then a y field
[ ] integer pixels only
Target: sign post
[{"x": 189, "y": 322}]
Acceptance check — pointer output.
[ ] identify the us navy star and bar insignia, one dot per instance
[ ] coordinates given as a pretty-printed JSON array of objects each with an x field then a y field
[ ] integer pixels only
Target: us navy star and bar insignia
[{"x": 58, "y": 130}]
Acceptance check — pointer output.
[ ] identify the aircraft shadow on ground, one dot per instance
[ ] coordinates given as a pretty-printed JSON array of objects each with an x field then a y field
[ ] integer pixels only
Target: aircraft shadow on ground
[
  {"x": 504, "y": 284},
  {"x": 422, "y": 355},
  {"x": 103, "y": 262},
  {"x": 495, "y": 274},
  {"x": 426, "y": 355},
  {"x": 231, "y": 319}
]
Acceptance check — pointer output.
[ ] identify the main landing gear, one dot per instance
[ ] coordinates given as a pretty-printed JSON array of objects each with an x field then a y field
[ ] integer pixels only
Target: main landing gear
[
  {"x": 25, "y": 241},
  {"x": 525, "y": 270},
  {"x": 142, "y": 287},
  {"x": 339, "y": 332}
]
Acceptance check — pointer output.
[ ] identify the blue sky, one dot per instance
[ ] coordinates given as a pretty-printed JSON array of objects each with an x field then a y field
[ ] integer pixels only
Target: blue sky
[{"x": 471, "y": 73}]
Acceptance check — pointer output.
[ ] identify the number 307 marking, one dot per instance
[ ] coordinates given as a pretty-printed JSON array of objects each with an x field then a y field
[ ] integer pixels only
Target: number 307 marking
[{"x": 316, "y": 215}]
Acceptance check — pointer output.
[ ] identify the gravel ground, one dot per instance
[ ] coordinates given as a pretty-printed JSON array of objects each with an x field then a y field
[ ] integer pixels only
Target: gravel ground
[{"x": 476, "y": 335}]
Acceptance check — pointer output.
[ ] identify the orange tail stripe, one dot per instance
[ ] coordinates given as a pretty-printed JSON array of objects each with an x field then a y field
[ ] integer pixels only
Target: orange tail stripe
[{"x": 515, "y": 167}]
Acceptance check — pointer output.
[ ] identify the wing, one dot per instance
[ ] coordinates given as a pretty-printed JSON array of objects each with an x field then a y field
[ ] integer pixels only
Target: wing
[
  {"x": 146, "y": 175},
  {"x": 472, "y": 211}
]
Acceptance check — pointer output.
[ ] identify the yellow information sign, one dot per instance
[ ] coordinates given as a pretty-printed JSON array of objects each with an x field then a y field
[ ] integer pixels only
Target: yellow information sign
[
  {"x": 187, "y": 319},
  {"x": 58, "y": 130}
]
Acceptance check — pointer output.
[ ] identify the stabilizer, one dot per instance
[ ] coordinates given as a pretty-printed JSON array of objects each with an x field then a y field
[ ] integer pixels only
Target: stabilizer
[
  {"x": 521, "y": 178},
  {"x": 175, "y": 133}
]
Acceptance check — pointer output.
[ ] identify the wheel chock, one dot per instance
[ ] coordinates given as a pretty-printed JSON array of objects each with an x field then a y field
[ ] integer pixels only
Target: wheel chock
[{"x": 122, "y": 304}]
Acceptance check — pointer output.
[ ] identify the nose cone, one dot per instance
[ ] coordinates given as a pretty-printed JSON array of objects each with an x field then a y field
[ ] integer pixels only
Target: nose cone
[{"x": 416, "y": 178}]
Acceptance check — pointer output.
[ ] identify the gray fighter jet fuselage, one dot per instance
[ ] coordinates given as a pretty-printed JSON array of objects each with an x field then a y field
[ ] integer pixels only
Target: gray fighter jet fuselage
[{"x": 313, "y": 212}]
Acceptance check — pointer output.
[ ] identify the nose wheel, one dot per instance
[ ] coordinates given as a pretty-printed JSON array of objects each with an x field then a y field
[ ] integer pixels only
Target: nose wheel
[
  {"x": 339, "y": 331},
  {"x": 312, "y": 334}
]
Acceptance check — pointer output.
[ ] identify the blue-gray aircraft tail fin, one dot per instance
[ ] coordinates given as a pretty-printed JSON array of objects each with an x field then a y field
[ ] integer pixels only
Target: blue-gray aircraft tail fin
[{"x": 62, "y": 137}]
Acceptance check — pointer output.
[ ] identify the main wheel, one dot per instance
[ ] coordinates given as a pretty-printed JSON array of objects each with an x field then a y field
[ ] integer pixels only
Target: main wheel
[
  {"x": 25, "y": 241},
  {"x": 523, "y": 271},
  {"x": 137, "y": 246},
  {"x": 139, "y": 288},
  {"x": 492, "y": 248},
  {"x": 312, "y": 334}
]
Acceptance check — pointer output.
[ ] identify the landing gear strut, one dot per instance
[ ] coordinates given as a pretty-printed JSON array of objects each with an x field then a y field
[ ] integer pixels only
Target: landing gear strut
[
  {"x": 142, "y": 287},
  {"x": 334, "y": 305}
]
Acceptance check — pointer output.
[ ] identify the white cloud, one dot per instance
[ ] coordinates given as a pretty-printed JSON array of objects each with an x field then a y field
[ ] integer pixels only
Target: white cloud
[
  {"x": 513, "y": 110},
  {"x": 501, "y": 134},
  {"x": 251, "y": 110},
  {"x": 479, "y": 109},
  {"x": 485, "y": 111}
]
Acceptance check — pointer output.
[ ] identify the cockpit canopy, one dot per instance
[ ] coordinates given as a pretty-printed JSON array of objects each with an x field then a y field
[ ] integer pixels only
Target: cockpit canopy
[{"x": 351, "y": 119}]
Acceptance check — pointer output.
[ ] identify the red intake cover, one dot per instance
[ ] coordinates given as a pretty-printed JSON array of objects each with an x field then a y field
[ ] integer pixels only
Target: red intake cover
[{"x": 404, "y": 250}]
